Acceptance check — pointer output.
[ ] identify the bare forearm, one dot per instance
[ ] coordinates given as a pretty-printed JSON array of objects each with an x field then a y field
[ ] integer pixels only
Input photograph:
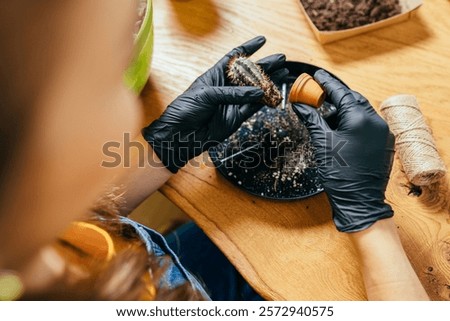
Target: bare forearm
[
  {"x": 387, "y": 272},
  {"x": 144, "y": 176}
]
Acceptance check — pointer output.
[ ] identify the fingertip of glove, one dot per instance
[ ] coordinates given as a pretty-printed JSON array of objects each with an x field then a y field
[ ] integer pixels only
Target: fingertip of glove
[
  {"x": 321, "y": 75},
  {"x": 249, "y": 47},
  {"x": 301, "y": 109},
  {"x": 280, "y": 57},
  {"x": 253, "y": 92},
  {"x": 309, "y": 116},
  {"x": 277, "y": 59},
  {"x": 260, "y": 38},
  {"x": 284, "y": 71},
  {"x": 247, "y": 94},
  {"x": 295, "y": 106},
  {"x": 258, "y": 92},
  {"x": 258, "y": 41}
]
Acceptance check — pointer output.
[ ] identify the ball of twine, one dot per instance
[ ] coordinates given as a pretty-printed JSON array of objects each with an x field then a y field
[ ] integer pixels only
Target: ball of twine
[{"x": 413, "y": 140}]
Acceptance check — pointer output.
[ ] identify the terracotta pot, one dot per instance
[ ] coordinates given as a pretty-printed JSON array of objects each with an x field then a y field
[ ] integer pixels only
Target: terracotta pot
[{"x": 306, "y": 90}]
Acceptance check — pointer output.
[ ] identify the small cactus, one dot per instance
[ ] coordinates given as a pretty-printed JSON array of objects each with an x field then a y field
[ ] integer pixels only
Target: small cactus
[{"x": 244, "y": 72}]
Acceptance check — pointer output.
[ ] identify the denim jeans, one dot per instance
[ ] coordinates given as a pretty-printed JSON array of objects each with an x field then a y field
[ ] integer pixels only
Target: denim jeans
[{"x": 199, "y": 255}]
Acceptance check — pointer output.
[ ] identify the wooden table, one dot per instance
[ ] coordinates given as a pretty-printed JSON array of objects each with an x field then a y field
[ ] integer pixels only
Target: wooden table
[{"x": 411, "y": 57}]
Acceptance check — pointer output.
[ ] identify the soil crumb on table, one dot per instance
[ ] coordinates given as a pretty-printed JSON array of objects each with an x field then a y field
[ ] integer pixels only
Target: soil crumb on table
[{"x": 331, "y": 15}]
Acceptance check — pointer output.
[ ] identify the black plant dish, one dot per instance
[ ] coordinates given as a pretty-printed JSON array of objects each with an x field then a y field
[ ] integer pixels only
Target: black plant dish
[{"x": 271, "y": 155}]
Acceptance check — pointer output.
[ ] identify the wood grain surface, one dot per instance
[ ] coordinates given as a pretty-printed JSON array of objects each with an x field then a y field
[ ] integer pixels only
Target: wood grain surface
[{"x": 291, "y": 250}]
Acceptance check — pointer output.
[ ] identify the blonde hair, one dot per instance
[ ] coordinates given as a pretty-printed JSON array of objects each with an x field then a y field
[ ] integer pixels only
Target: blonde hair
[{"x": 131, "y": 274}]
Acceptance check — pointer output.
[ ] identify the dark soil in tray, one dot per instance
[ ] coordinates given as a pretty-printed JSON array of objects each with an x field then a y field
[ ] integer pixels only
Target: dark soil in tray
[{"x": 329, "y": 15}]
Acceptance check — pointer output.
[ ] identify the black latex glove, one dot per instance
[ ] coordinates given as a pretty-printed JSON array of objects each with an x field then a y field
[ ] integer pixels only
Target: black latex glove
[
  {"x": 354, "y": 161},
  {"x": 210, "y": 110}
]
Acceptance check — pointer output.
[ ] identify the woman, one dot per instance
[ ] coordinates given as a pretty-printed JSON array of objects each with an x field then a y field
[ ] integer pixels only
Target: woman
[{"x": 62, "y": 98}]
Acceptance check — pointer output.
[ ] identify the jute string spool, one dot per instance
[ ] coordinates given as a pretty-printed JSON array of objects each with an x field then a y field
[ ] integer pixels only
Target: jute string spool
[{"x": 413, "y": 140}]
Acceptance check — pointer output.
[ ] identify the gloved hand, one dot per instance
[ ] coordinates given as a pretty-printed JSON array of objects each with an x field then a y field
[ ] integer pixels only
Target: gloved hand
[
  {"x": 354, "y": 161},
  {"x": 210, "y": 110}
]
